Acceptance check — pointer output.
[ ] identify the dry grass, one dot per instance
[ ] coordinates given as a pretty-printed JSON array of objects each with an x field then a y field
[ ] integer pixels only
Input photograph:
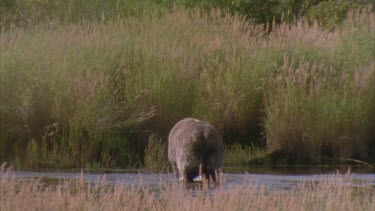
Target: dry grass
[{"x": 328, "y": 193}]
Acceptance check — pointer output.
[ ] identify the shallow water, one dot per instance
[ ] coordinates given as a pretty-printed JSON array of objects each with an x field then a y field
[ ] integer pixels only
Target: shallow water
[{"x": 281, "y": 182}]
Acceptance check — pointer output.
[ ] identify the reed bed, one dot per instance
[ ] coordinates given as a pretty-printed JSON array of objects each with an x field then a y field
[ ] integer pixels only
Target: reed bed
[
  {"x": 91, "y": 93},
  {"x": 330, "y": 192}
]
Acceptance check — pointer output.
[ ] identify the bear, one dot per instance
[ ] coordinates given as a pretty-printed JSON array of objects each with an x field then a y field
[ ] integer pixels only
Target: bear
[{"x": 195, "y": 148}]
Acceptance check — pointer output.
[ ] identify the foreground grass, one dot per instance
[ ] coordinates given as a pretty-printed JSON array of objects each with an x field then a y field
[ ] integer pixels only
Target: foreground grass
[
  {"x": 329, "y": 193},
  {"x": 92, "y": 93}
]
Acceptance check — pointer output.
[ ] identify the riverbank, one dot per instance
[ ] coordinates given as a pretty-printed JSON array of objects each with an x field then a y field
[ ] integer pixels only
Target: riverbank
[{"x": 104, "y": 94}]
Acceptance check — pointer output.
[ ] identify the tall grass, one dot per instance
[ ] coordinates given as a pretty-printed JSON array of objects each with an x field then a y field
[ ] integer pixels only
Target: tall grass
[
  {"x": 329, "y": 193},
  {"x": 27, "y": 13},
  {"x": 156, "y": 159},
  {"x": 92, "y": 92},
  {"x": 322, "y": 96},
  {"x": 242, "y": 155}
]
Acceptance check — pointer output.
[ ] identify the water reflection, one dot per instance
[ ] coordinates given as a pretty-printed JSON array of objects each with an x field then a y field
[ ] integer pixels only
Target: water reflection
[
  {"x": 228, "y": 181},
  {"x": 299, "y": 169}
]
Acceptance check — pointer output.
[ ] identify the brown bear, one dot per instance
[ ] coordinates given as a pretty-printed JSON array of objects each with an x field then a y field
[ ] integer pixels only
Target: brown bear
[{"x": 195, "y": 148}]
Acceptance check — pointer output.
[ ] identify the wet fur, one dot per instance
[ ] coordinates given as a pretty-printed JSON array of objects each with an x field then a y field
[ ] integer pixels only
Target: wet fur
[{"x": 195, "y": 147}]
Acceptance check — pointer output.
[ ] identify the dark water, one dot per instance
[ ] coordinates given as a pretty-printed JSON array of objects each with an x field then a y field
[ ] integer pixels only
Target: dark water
[{"x": 281, "y": 179}]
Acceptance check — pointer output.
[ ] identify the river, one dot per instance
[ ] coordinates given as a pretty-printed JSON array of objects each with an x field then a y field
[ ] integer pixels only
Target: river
[{"x": 282, "y": 180}]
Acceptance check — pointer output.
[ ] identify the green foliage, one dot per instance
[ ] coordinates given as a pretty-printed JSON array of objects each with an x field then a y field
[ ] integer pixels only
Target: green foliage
[
  {"x": 329, "y": 13},
  {"x": 241, "y": 155}
]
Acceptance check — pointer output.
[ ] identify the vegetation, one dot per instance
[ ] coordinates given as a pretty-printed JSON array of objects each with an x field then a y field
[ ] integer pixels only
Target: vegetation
[
  {"x": 328, "y": 13},
  {"x": 27, "y": 13},
  {"x": 242, "y": 155},
  {"x": 85, "y": 85},
  {"x": 328, "y": 193},
  {"x": 156, "y": 158}
]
